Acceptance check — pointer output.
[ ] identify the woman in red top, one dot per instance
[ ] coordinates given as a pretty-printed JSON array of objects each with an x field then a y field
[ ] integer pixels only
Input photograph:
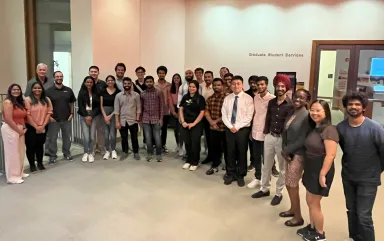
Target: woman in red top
[{"x": 12, "y": 131}]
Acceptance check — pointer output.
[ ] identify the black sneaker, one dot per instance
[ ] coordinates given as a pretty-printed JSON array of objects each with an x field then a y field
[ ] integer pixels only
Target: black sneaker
[
  {"x": 51, "y": 160},
  {"x": 212, "y": 170},
  {"x": 303, "y": 231},
  {"x": 251, "y": 168},
  {"x": 32, "y": 169},
  {"x": 229, "y": 179},
  {"x": 275, "y": 172},
  {"x": 276, "y": 200},
  {"x": 41, "y": 166},
  {"x": 240, "y": 182},
  {"x": 314, "y": 236},
  {"x": 68, "y": 158},
  {"x": 260, "y": 194}
]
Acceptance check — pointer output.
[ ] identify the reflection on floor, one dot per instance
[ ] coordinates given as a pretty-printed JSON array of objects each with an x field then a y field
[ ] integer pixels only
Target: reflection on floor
[{"x": 138, "y": 201}]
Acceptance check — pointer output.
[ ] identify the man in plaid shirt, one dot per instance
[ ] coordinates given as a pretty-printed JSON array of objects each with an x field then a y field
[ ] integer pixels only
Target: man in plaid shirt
[
  {"x": 152, "y": 112},
  {"x": 217, "y": 145}
]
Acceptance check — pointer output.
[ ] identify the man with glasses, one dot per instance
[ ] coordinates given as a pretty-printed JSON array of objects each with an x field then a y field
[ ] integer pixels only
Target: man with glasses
[{"x": 139, "y": 84}]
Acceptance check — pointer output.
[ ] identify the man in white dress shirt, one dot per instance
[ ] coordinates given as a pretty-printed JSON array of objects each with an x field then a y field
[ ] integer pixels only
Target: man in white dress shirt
[{"x": 237, "y": 113}]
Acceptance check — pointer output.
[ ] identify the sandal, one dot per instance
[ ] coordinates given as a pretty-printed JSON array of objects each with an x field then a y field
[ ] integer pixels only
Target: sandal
[
  {"x": 289, "y": 223},
  {"x": 286, "y": 214}
]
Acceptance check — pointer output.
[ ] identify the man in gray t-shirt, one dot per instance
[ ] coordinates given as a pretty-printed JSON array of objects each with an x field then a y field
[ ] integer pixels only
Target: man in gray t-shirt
[
  {"x": 41, "y": 76},
  {"x": 362, "y": 142}
]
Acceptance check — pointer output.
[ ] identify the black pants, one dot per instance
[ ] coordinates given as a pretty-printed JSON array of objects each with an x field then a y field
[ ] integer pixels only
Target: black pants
[
  {"x": 237, "y": 147},
  {"x": 217, "y": 147},
  {"x": 176, "y": 129},
  {"x": 164, "y": 129},
  {"x": 133, "y": 129},
  {"x": 359, "y": 198},
  {"x": 207, "y": 131},
  {"x": 34, "y": 144},
  {"x": 258, "y": 155},
  {"x": 192, "y": 139},
  {"x": 251, "y": 155}
]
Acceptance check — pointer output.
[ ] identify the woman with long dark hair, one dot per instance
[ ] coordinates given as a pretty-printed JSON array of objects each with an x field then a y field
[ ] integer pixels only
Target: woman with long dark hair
[
  {"x": 107, "y": 101},
  {"x": 89, "y": 108},
  {"x": 13, "y": 131},
  {"x": 319, "y": 170},
  {"x": 191, "y": 112},
  {"x": 172, "y": 100},
  {"x": 39, "y": 110}
]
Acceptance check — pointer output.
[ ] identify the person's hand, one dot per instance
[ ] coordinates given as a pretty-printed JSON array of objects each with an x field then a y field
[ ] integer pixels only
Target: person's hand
[
  {"x": 70, "y": 117},
  {"x": 322, "y": 180},
  {"x": 215, "y": 126},
  {"x": 233, "y": 130},
  {"x": 185, "y": 124},
  {"x": 39, "y": 129},
  {"x": 22, "y": 132},
  {"x": 190, "y": 126},
  {"x": 118, "y": 126},
  {"x": 53, "y": 120},
  {"x": 106, "y": 119}
]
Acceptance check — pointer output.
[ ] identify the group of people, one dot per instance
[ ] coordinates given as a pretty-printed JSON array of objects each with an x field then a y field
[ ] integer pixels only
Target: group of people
[{"x": 294, "y": 132}]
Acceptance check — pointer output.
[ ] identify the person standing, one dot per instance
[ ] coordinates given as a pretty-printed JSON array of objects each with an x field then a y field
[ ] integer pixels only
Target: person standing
[
  {"x": 127, "y": 109},
  {"x": 62, "y": 99},
  {"x": 152, "y": 112},
  {"x": 41, "y": 76},
  {"x": 89, "y": 108},
  {"x": 107, "y": 102},
  {"x": 191, "y": 113},
  {"x": 164, "y": 86},
  {"x": 261, "y": 101},
  {"x": 277, "y": 112},
  {"x": 39, "y": 110},
  {"x": 213, "y": 115},
  {"x": 252, "y": 91},
  {"x": 237, "y": 113},
  {"x": 227, "y": 82},
  {"x": 120, "y": 69},
  {"x": 223, "y": 71},
  {"x": 207, "y": 91},
  {"x": 199, "y": 72},
  {"x": 139, "y": 85},
  {"x": 362, "y": 142},
  {"x": 12, "y": 132},
  {"x": 174, "y": 110}
]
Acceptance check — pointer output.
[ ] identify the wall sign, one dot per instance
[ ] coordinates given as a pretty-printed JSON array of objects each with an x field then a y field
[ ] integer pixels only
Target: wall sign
[{"x": 277, "y": 55}]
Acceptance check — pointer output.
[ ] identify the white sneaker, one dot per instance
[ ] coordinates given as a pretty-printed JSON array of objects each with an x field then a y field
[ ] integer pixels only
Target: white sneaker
[
  {"x": 25, "y": 175},
  {"x": 114, "y": 154},
  {"x": 91, "y": 158},
  {"x": 255, "y": 182},
  {"x": 192, "y": 168},
  {"x": 106, "y": 155},
  {"x": 186, "y": 166},
  {"x": 85, "y": 157},
  {"x": 16, "y": 182}
]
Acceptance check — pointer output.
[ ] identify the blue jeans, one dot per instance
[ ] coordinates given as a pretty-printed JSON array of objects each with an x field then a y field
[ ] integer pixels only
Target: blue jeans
[
  {"x": 110, "y": 130},
  {"x": 152, "y": 130},
  {"x": 89, "y": 133}
]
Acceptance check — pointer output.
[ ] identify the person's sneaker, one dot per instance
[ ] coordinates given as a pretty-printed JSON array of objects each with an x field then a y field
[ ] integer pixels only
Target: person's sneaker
[
  {"x": 314, "y": 236},
  {"x": 25, "y": 175},
  {"x": 240, "y": 182},
  {"x": 229, "y": 179},
  {"x": 32, "y": 169},
  {"x": 114, "y": 154},
  {"x": 40, "y": 166},
  {"x": 68, "y": 158},
  {"x": 159, "y": 158},
  {"x": 276, "y": 200},
  {"x": 106, "y": 155},
  {"x": 85, "y": 157},
  {"x": 136, "y": 156},
  {"x": 186, "y": 166},
  {"x": 254, "y": 183},
  {"x": 91, "y": 158},
  {"x": 51, "y": 160},
  {"x": 206, "y": 161},
  {"x": 261, "y": 194},
  {"x": 149, "y": 158},
  {"x": 123, "y": 156},
  {"x": 165, "y": 150},
  {"x": 251, "y": 168},
  {"x": 192, "y": 168},
  {"x": 303, "y": 231},
  {"x": 275, "y": 172},
  {"x": 212, "y": 170}
]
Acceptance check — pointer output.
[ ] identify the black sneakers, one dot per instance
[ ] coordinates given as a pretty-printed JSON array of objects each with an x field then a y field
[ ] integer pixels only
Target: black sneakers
[{"x": 314, "y": 236}]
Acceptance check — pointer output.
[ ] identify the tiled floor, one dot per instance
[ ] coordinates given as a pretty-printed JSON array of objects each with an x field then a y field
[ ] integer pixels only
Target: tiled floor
[{"x": 137, "y": 201}]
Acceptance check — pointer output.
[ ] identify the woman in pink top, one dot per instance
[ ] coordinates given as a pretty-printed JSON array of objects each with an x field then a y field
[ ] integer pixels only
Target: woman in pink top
[
  {"x": 39, "y": 109},
  {"x": 172, "y": 103},
  {"x": 13, "y": 131}
]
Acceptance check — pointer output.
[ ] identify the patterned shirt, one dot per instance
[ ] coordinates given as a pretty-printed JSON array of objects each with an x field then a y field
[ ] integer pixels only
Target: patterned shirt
[
  {"x": 213, "y": 105},
  {"x": 152, "y": 106},
  {"x": 127, "y": 106}
]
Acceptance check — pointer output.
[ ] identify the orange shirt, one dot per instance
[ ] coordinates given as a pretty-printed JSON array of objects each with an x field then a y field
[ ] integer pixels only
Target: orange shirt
[
  {"x": 19, "y": 116},
  {"x": 38, "y": 111}
]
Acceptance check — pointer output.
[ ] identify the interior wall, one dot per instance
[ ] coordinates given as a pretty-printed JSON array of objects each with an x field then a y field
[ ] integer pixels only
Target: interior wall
[{"x": 5, "y": 65}]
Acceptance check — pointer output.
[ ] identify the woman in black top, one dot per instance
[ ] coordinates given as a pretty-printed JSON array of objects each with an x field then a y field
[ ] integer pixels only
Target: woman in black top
[
  {"x": 89, "y": 108},
  {"x": 107, "y": 100},
  {"x": 191, "y": 113}
]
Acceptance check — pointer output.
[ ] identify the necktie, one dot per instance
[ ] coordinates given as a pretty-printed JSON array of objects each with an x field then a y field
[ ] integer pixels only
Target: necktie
[{"x": 234, "y": 111}]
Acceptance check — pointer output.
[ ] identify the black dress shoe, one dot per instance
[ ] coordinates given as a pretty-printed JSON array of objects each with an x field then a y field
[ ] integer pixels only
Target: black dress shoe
[
  {"x": 276, "y": 200},
  {"x": 40, "y": 166},
  {"x": 241, "y": 182},
  {"x": 32, "y": 169},
  {"x": 260, "y": 194},
  {"x": 229, "y": 179},
  {"x": 212, "y": 170},
  {"x": 275, "y": 172},
  {"x": 206, "y": 161}
]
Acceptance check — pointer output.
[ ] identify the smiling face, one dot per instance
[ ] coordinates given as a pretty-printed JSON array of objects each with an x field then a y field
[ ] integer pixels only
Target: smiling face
[
  {"x": 89, "y": 84},
  {"x": 217, "y": 87},
  {"x": 59, "y": 78},
  {"x": 120, "y": 71},
  {"x": 223, "y": 71},
  {"x": 317, "y": 112},
  {"x": 161, "y": 74},
  {"x": 94, "y": 73},
  {"x": 253, "y": 85},
  {"x": 110, "y": 82},
  {"x": 41, "y": 70},
  {"x": 280, "y": 89},
  {"x": 355, "y": 108},
  {"x": 192, "y": 88},
  {"x": 199, "y": 75},
  {"x": 177, "y": 80},
  {"x": 228, "y": 81},
  {"x": 261, "y": 86},
  {"x": 188, "y": 75},
  {"x": 236, "y": 86},
  {"x": 299, "y": 99},
  {"x": 208, "y": 78},
  {"x": 15, "y": 91},
  {"x": 36, "y": 89}
]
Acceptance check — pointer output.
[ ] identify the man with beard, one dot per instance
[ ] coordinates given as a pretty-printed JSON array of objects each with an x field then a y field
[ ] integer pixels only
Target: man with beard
[
  {"x": 227, "y": 83},
  {"x": 62, "y": 99},
  {"x": 277, "y": 111},
  {"x": 41, "y": 76},
  {"x": 252, "y": 91},
  {"x": 165, "y": 87},
  {"x": 127, "y": 110},
  {"x": 217, "y": 145},
  {"x": 120, "y": 72},
  {"x": 207, "y": 91},
  {"x": 362, "y": 142}
]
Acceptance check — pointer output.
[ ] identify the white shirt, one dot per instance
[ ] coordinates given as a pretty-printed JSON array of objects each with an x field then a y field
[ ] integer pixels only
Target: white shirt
[
  {"x": 89, "y": 107},
  {"x": 207, "y": 91},
  {"x": 244, "y": 114},
  {"x": 261, "y": 106}
]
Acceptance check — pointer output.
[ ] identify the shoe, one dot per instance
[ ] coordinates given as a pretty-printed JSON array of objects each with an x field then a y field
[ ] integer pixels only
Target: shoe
[
  {"x": 251, "y": 168},
  {"x": 229, "y": 179},
  {"x": 25, "y": 175},
  {"x": 16, "y": 182},
  {"x": 303, "y": 231},
  {"x": 206, "y": 161},
  {"x": 314, "y": 236},
  {"x": 275, "y": 172},
  {"x": 254, "y": 183},
  {"x": 106, "y": 155},
  {"x": 192, "y": 168},
  {"x": 212, "y": 170},
  {"x": 186, "y": 166},
  {"x": 91, "y": 158},
  {"x": 68, "y": 158},
  {"x": 85, "y": 157},
  {"x": 123, "y": 156},
  {"x": 240, "y": 182},
  {"x": 40, "y": 166},
  {"x": 32, "y": 169},
  {"x": 51, "y": 160},
  {"x": 136, "y": 156},
  {"x": 165, "y": 150},
  {"x": 149, "y": 158},
  {"x": 276, "y": 200},
  {"x": 289, "y": 223},
  {"x": 159, "y": 158},
  {"x": 114, "y": 154},
  {"x": 260, "y": 194},
  {"x": 286, "y": 214}
]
